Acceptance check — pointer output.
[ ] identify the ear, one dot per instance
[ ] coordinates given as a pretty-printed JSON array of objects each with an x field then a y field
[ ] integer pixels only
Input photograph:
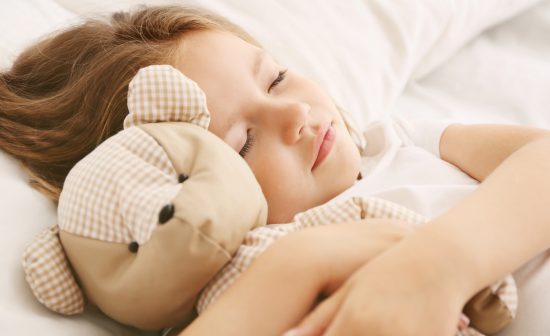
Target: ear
[
  {"x": 49, "y": 275},
  {"x": 161, "y": 93}
]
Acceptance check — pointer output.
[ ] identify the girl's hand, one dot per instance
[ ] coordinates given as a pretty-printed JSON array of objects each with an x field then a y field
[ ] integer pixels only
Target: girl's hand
[
  {"x": 391, "y": 295},
  {"x": 339, "y": 250}
]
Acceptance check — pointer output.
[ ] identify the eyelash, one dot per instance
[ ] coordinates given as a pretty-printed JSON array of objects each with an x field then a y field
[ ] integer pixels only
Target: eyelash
[
  {"x": 249, "y": 138},
  {"x": 279, "y": 79},
  {"x": 247, "y": 145}
]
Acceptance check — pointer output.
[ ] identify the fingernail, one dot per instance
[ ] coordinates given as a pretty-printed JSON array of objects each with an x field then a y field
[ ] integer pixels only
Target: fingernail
[
  {"x": 464, "y": 322},
  {"x": 292, "y": 332}
]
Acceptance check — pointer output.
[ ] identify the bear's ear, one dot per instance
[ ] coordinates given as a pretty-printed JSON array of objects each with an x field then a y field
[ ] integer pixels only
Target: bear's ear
[
  {"x": 49, "y": 275},
  {"x": 160, "y": 93},
  {"x": 493, "y": 308}
]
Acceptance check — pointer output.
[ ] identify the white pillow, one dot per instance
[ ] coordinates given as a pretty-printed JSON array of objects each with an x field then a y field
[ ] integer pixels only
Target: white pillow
[{"x": 22, "y": 22}]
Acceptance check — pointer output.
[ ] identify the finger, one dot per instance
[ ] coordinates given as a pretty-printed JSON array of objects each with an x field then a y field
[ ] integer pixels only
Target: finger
[
  {"x": 464, "y": 322},
  {"x": 320, "y": 318}
]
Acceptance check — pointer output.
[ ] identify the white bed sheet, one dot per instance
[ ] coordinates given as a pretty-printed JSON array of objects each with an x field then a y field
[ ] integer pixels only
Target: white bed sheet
[{"x": 500, "y": 76}]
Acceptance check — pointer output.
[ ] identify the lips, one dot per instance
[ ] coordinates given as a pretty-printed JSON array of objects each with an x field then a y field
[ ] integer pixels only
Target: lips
[{"x": 323, "y": 144}]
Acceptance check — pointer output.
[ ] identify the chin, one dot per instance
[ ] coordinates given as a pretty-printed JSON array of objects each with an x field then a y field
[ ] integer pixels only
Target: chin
[
  {"x": 282, "y": 218},
  {"x": 348, "y": 176},
  {"x": 344, "y": 179}
]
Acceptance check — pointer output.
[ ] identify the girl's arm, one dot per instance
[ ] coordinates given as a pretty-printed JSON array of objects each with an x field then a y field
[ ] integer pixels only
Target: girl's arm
[
  {"x": 507, "y": 220},
  {"x": 490, "y": 233},
  {"x": 479, "y": 149},
  {"x": 284, "y": 282}
]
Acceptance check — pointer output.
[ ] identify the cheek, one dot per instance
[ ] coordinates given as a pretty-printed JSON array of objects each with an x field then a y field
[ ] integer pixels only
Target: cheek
[
  {"x": 285, "y": 190},
  {"x": 277, "y": 179}
]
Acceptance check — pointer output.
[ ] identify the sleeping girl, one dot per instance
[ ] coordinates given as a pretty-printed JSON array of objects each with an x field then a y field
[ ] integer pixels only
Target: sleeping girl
[{"x": 67, "y": 94}]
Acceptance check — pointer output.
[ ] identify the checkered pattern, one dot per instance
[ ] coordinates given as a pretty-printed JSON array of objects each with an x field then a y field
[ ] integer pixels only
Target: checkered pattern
[
  {"x": 116, "y": 192},
  {"x": 507, "y": 291},
  {"x": 355, "y": 208},
  {"x": 47, "y": 272},
  {"x": 162, "y": 93}
]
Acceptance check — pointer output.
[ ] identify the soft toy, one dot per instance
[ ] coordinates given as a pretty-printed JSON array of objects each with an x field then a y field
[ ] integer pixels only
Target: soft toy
[
  {"x": 164, "y": 209},
  {"x": 149, "y": 216}
]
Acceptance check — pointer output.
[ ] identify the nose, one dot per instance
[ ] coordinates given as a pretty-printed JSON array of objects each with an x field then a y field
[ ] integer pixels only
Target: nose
[{"x": 288, "y": 119}]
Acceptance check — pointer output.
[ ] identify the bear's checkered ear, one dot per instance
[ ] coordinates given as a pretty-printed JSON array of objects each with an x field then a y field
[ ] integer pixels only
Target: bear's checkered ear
[
  {"x": 49, "y": 275},
  {"x": 160, "y": 93}
]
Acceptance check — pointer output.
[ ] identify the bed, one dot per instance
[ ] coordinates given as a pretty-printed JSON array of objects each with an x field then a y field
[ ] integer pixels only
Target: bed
[{"x": 465, "y": 61}]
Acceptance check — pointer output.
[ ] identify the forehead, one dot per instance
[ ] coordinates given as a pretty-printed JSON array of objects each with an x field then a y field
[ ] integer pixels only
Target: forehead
[{"x": 211, "y": 51}]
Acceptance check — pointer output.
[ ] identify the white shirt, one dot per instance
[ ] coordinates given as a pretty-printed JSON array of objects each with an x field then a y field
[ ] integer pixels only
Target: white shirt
[{"x": 402, "y": 164}]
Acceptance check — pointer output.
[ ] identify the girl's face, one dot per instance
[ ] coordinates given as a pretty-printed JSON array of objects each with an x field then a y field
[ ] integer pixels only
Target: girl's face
[{"x": 285, "y": 126}]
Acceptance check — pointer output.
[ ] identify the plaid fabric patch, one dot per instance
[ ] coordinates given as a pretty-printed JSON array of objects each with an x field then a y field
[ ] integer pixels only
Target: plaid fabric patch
[
  {"x": 355, "y": 208},
  {"x": 48, "y": 273},
  {"x": 115, "y": 193},
  {"x": 507, "y": 290},
  {"x": 162, "y": 93}
]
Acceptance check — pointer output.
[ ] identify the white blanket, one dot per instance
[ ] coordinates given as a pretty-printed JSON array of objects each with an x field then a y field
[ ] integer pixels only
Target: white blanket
[{"x": 420, "y": 59}]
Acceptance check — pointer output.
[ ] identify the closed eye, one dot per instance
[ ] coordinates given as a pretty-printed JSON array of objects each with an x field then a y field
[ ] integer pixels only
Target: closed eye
[
  {"x": 247, "y": 145},
  {"x": 279, "y": 79}
]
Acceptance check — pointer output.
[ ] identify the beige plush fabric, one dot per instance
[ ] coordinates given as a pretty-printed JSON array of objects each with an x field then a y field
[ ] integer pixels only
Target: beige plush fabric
[
  {"x": 490, "y": 311},
  {"x": 48, "y": 273}
]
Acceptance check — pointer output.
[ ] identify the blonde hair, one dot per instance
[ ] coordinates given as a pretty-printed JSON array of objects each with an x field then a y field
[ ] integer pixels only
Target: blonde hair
[{"x": 65, "y": 95}]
